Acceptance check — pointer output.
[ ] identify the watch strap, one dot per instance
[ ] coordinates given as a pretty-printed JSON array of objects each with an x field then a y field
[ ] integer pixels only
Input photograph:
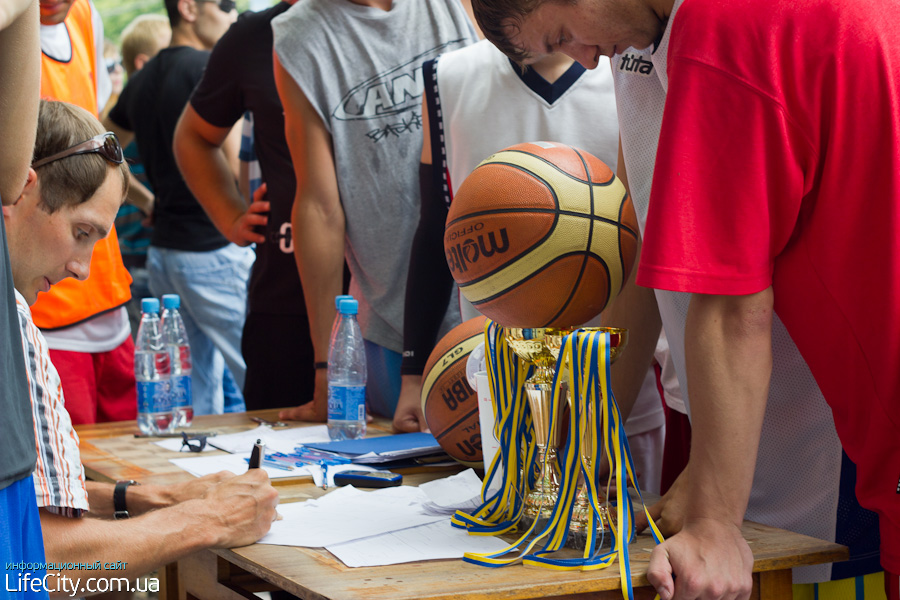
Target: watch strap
[{"x": 120, "y": 508}]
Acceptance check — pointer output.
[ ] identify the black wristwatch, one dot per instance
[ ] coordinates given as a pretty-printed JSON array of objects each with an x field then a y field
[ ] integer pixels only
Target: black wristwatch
[{"x": 119, "y": 506}]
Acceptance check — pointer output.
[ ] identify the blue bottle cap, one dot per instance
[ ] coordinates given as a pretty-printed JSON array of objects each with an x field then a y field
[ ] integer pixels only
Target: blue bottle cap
[
  {"x": 337, "y": 300},
  {"x": 171, "y": 301},
  {"x": 349, "y": 306},
  {"x": 150, "y": 305}
]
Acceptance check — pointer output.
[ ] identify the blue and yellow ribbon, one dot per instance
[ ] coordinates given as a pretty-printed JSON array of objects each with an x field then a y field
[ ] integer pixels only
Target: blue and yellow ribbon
[{"x": 585, "y": 358}]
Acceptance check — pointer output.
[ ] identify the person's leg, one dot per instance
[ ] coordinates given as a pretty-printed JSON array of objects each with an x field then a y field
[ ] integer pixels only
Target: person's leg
[
  {"x": 116, "y": 388},
  {"x": 234, "y": 398},
  {"x": 79, "y": 384},
  {"x": 214, "y": 292},
  {"x": 382, "y": 379},
  {"x": 165, "y": 277},
  {"x": 21, "y": 542},
  {"x": 280, "y": 358}
]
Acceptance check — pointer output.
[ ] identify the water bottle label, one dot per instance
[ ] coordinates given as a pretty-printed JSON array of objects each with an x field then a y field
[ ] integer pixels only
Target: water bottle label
[
  {"x": 347, "y": 403},
  {"x": 181, "y": 390},
  {"x": 153, "y": 396}
]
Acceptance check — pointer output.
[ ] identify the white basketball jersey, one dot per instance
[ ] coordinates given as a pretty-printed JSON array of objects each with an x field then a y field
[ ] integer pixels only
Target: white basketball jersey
[{"x": 798, "y": 468}]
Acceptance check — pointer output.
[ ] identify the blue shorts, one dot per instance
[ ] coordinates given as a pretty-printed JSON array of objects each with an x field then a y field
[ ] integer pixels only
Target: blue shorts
[
  {"x": 382, "y": 379},
  {"x": 21, "y": 542}
]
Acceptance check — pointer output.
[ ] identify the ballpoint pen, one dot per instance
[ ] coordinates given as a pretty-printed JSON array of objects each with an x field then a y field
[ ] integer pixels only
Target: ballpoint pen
[
  {"x": 324, "y": 465},
  {"x": 256, "y": 457}
]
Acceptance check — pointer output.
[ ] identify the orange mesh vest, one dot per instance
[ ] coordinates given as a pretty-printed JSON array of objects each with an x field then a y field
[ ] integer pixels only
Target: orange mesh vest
[{"x": 108, "y": 286}]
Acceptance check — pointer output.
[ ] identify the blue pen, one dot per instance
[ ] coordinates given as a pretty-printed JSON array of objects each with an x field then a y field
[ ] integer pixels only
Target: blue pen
[{"x": 324, "y": 465}]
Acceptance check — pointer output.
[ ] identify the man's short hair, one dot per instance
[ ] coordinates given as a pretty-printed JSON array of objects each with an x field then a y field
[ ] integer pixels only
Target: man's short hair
[
  {"x": 172, "y": 11},
  {"x": 142, "y": 36},
  {"x": 74, "y": 179},
  {"x": 497, "y": 18}
]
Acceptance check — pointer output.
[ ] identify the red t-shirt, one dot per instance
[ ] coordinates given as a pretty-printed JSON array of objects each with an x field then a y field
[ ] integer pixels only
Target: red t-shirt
[{"x": 779, "y": 165}]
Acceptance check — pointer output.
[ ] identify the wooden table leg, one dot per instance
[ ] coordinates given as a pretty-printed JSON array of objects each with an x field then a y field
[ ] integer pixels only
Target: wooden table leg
[{"x": 772, "y": 585}]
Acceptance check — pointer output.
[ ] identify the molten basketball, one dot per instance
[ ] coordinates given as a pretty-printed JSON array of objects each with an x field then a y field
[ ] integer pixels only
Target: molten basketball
[
  {"x": 449, "y": 404},
  {"x": 541, "y": 235}
]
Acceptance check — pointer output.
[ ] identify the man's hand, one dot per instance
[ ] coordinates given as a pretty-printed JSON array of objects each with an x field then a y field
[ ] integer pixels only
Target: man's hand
[
  {"x": 408, "y": 417},
  {"x": 709, "y": 559},
  {"x": 241, "y": 509},
  {"x": 242, "y": 231},
  {"x": 668, "y": 513},
  {"x": 315, "y": 411},
  {"x": 197, "y": 487}
]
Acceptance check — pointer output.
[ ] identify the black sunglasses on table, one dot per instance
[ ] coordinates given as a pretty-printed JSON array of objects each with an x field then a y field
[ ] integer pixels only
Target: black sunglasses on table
[
  {"x": 105, "y": 144},
  {"x": 194, "y": 444}
]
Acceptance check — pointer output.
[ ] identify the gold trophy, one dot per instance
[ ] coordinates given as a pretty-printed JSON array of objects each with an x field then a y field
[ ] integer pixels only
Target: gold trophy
[
  {"x": 618, "y": 339},
  {"x": 541, "y": 347}
]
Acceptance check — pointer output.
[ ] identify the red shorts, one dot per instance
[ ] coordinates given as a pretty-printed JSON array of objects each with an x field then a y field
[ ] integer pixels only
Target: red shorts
[
  {"x": 98, "y": 387},
  {"x": 892, "y": 585}
]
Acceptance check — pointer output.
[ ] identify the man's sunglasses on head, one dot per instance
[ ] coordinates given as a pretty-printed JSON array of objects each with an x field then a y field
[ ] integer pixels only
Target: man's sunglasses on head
[{"x": 106, "y": 145}]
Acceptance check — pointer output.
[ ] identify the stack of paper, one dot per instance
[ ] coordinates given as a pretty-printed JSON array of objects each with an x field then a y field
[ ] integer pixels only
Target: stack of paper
[
  {"x": 404, "y": 531},
  {"x": 459, "y": 492},
  {"x": 385, "y": 449}
]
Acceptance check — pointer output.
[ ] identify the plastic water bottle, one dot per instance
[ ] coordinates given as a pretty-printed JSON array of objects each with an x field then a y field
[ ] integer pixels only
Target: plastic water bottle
[
  {"x": 176, "y": 340},
  {"x": 337, "y": 316},
  {"x": 152, "y": 369},
  {"x": 347, "y": 376}
]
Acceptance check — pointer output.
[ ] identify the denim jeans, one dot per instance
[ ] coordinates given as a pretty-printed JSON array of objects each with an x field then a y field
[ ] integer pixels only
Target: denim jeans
[{"x": 213, "y": 290}]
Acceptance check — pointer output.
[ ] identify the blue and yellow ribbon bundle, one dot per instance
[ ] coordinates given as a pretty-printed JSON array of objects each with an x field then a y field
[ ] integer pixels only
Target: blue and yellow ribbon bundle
[{"x": 595, "y": 427}]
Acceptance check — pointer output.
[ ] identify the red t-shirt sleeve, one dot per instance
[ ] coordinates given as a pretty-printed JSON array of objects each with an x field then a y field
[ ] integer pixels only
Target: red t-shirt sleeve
[{"x": 727, "y": 186}]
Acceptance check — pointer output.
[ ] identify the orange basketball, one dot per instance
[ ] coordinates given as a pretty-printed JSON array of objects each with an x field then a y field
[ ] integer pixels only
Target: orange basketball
[
  {"x": 541, "y": 235},
  {"x": 449, "y": 403}
]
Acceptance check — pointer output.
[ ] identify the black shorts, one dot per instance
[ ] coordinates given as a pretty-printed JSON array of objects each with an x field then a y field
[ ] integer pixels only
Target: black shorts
[{"x": 279, "y": 356}]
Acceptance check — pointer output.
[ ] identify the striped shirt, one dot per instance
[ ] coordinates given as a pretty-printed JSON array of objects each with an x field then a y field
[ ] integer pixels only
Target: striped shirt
[{"x": 58, "y": 475}]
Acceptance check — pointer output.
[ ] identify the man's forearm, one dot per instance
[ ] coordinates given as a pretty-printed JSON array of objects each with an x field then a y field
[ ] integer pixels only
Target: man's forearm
[
  {"x": 319, "y": 252},
  {"x": 139, "y": 196},
  {"x": 144, "y": 543},
  {"x": 634, "y": 309},
  {"x": 728, "y": 348},
  {"x": 20, "y": 72},
  {"x": 208, "y": 175}
]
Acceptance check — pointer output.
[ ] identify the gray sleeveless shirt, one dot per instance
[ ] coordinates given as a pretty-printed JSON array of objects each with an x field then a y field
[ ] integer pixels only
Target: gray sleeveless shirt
[{"x": 361, "y": 69}]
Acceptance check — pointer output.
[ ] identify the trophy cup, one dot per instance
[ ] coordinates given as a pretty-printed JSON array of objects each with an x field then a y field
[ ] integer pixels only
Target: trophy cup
[
  {"x": 618, "y": 340},
  {"x": 540, "y": 347}
]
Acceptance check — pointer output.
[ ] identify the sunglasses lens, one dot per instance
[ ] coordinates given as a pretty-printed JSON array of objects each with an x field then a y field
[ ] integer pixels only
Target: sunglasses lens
[
  {"x": 112, "y": 149},
  {"x": 227, "y": 5}
]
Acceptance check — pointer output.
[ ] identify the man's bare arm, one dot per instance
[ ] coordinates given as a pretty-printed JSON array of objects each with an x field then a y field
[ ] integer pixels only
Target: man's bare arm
[
  {"x": 141, "y": 499},
  {"x": 20, "y": 74},
  {"x": 198, "y": 149},
  {"x": 633, "y": 309},
  {"x": 318, "y": 226},
  {"x": 234, "y": 513},
  {"x": 728, "y": 350}
]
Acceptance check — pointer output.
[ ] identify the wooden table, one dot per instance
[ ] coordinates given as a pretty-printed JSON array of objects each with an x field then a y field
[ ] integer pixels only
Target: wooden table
[{"x": 110, "y": 452}]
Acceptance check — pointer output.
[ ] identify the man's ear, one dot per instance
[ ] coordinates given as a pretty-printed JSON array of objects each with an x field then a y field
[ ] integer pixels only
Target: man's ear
[
  {"x": 31, "y": 189},
  {"x": 140, "y": 60},
  {"x": 188, "y": 10}
]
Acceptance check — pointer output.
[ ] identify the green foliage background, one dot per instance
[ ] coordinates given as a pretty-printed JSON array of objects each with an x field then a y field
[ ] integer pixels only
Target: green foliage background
[{"x": 117, "y": 14}]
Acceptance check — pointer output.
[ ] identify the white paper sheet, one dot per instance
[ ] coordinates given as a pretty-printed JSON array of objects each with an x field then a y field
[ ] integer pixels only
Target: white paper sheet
[
  {"x": 236, "y": 463},
  {"x": 348, "y": 514},
  {"x": 426, "y": 542},
  {"x": 276, "y": 440},
  {"x": 457, "y": 492}
]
